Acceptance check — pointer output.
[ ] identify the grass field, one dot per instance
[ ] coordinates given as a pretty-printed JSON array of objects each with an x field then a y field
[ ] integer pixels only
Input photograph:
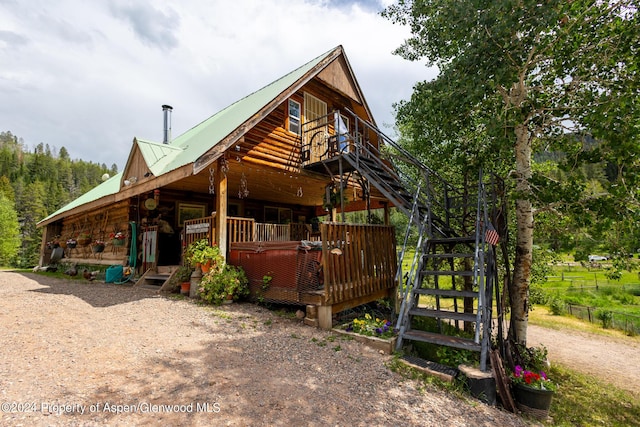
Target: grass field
[
  {"x": 587, "y": 292},
  {"x": 584, "y": 291}
]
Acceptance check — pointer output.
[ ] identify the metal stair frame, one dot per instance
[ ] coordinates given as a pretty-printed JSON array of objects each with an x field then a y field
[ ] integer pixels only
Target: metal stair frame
[
  {"x": 484, "y": 259},
  {"x": 437, "y": 209}
]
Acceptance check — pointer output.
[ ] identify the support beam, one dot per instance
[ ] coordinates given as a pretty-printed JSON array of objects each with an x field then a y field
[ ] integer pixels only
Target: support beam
[
  {"x": 387, "y": 213},
  {"x": 221, "y": 207},
  {"x": 325, "y": 317}
]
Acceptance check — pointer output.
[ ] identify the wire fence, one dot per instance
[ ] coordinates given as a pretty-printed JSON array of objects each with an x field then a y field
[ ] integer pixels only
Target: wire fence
[{"x": 609, "y": 319}]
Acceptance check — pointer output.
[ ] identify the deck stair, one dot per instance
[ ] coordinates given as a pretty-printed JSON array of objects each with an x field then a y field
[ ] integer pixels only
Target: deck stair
[
  {"x": 158, "y": 279},
  {"x": 450, "y": 287},
  {"x": 433, "y": 369},
  {"x": 451, "y": 281},
  {"x": 413, "y": 188}
]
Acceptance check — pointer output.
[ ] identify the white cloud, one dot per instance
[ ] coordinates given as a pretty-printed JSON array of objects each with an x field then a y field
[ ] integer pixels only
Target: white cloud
[{"x": 90, "y": 76}]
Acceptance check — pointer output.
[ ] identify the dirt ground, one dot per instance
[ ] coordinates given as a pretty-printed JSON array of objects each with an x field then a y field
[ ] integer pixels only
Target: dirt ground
[
  {"x": 76, "y": 353},
  {"x": 614, "y": 360}
]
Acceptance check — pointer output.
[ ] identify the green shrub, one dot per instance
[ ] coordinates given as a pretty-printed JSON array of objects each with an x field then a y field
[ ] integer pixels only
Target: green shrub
[
  {"x": 624, "y": 298},
  {"x": 581, "y": 254},
  {"x": 230, "y": 283},
  {"x": 454, "y": 357},
  {"x": 557, "y": 306},
  {"x": 605, "y": 316},
  {"x": 537, "y": 295}
]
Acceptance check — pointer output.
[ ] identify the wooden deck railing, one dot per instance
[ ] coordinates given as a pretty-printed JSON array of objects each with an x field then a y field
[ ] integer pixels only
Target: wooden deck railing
[
  {"x": 238, "y": 229},
  {"x": 358, "y": 261},
  {"x": 197, "y": 229},
  {"x": 242, "y": 230},
  {"x": 272, "y": 233}
]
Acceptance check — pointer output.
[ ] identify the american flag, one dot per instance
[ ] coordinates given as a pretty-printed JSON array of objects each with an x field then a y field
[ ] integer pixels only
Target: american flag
[{"x": 491, "y": 236}]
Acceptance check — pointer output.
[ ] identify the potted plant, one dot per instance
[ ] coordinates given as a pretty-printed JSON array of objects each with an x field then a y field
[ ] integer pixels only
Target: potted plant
[
  {"x": 332, "y": 198},
  {"x": 52, "y": 244},
  {"x": 84, "y": 239},
  {"x": 98, "y": 246},
  {"x": 229, "y": 284},
  {"x": 182, "y": 277},
  {"x": 118, "y": 239},
  {"x": 532, "y": 388},
  {"x": 205, "y": 256}
]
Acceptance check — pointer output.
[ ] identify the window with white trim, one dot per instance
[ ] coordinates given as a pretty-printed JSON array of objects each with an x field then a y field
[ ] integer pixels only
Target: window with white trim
[{"x": 294, "y": 117}]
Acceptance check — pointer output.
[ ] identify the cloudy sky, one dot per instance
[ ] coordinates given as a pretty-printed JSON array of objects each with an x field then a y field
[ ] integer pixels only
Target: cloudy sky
[{"x": 92, "y": 75}]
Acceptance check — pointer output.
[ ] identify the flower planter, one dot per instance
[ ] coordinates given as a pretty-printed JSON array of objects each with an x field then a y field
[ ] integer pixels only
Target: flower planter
[
  {"x": 97, "y": 249},
  {"x": 532, "y": 401},
  {"x": 118, "y": 242},
  {"x": 84, "y": 241},
  {"x": 205, "y": 267},
  {"x": 185, "y": 288},
  {"x": 387, "y": 345}
]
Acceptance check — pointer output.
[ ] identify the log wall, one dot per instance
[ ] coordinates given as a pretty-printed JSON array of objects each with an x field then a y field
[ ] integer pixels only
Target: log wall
[
  {"x": 269, "y": 143},
  {"x": 96, "y": 225}
]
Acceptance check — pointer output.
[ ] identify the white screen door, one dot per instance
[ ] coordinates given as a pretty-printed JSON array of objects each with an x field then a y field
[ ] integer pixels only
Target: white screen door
[{"x": 315, "y": 112}]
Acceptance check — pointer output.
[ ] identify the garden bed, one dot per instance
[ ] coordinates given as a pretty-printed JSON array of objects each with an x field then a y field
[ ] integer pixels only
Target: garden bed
[{"x": 386, "y": 345}]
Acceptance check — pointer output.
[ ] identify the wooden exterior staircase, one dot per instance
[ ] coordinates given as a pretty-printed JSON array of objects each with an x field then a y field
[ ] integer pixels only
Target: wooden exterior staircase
[{"x": 157, "y": 278}]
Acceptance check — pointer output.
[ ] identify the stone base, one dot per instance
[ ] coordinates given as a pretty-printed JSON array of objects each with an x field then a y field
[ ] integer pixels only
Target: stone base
[
  {"x": 311, "y": 322},
  {"x": 311, "y": 316},
  {"x": 480, "y": 384}
]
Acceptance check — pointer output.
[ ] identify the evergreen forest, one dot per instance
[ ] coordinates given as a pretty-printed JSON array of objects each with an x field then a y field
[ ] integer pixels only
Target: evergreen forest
[{"x": 35, "y": 181}]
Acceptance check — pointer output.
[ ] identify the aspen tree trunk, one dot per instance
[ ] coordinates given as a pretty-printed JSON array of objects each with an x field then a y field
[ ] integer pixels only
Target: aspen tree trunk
[{"x": 519, "y": 290}]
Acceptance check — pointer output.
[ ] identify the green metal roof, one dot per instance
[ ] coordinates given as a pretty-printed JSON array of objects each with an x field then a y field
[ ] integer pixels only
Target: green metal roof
[
  {"x": 191, "y": 145},
  {"x": 107, "y": 188},
  {"x": 201, "y": 138},
  {"x": 157, "y": 155}
]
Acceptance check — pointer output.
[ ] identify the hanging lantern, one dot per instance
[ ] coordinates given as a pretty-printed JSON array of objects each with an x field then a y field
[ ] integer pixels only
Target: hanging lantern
[
  {"x": 224, "y": 165},
  {"x": 243, "y": 191},
  {"x": 212, "y": 181}
]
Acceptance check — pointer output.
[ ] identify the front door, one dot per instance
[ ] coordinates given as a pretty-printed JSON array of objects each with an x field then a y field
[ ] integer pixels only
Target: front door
[{"x": 316, "y": 110}]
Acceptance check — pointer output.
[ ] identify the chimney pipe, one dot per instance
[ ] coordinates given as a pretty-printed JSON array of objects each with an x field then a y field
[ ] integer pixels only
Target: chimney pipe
[{"x": 166, "y": 137}]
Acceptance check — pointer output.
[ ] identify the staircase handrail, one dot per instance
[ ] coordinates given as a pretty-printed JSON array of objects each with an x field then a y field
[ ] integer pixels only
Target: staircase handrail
[
  {"x": 364, "y": 148},
  {"x": 478, "y": 259}
]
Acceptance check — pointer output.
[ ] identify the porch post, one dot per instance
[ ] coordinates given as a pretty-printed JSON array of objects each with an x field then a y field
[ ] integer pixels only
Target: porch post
[
  {"x": 387, "y": 215},
  {"x": 221, "y": 209},
  {"x": 46, "y": 236}
]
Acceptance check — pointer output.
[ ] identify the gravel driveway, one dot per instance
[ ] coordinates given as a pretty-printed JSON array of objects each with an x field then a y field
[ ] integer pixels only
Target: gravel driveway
[{"x": 80, "y": 353}]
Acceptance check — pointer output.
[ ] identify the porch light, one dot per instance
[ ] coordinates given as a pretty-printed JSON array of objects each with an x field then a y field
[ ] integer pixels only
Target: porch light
[{"x": 130, "y": 180}]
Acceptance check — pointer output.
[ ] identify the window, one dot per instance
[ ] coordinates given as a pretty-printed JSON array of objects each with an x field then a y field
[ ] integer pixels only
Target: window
[
  {"x": 273, "y": 215},
  {"x": 294, "y": 116},
  {"x": 345, "y": 120}
]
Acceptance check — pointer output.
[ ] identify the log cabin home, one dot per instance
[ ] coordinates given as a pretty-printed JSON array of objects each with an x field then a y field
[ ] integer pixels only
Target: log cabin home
[
  {"x": 267, "y": 180},
  {"x": 270, "y": 179}
]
